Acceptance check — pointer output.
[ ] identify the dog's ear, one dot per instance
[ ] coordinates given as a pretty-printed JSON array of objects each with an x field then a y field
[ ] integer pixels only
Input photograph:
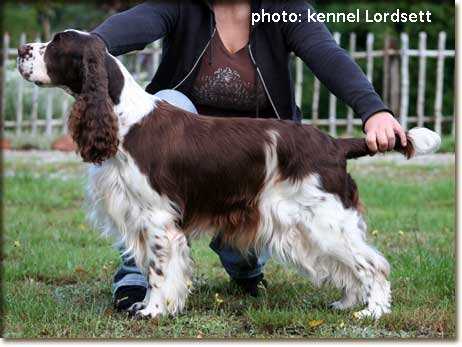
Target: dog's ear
[{"x": 92, "y": 122}]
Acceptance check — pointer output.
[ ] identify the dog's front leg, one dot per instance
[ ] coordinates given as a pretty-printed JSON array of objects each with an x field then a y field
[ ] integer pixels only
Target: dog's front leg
[{"x": 169, "y": 271}]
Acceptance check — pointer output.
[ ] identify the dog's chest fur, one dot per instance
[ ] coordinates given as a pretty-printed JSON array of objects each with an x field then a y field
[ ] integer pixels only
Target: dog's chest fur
[{"x": 122, "y": 201}]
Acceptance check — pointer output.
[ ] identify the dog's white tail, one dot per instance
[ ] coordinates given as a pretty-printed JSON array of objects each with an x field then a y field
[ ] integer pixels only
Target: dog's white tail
[{"x": 424, "y": 141}]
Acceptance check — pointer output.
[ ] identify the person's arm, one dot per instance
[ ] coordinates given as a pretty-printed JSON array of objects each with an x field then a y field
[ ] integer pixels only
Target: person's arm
[
  {"x": 333, "y": 66},
  {"x": 137, "y": 27}
]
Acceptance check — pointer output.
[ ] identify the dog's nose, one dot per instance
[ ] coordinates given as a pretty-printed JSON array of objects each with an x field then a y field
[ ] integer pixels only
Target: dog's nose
[{"x": 24, "y": 50}]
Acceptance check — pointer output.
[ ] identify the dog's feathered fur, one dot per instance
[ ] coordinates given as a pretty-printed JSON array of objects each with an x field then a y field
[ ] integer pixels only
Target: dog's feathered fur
[{"x": 92, "y": 121}]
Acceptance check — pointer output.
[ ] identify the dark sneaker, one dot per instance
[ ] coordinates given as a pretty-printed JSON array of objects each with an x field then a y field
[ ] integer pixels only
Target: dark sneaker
[
  {"x": 126, "y": 296},
  {"x": 250, "y": 285}
]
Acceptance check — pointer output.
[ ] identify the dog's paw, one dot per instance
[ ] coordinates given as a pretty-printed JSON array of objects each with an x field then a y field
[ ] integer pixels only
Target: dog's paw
[
  {"x": 374, "y": 313},
  {"x": 137, "y": 306},
  {"x": 148, "y": 313},
  {"x": 366, "y": 313}
]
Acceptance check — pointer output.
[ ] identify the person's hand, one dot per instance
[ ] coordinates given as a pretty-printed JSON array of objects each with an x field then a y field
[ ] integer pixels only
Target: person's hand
[{"x": 380, "y": 132}]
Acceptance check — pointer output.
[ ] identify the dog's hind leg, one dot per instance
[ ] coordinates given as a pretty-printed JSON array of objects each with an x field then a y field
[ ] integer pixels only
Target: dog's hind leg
[
  {"x": 326, "y": 241},
  {"x": 169, "y": 270},
  {"x": 347, "y": 261},
  {"x": 368, "y": 269}
]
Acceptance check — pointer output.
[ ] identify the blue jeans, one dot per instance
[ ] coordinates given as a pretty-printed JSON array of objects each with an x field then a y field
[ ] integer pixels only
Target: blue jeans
[{"x": 233, "y": 262}]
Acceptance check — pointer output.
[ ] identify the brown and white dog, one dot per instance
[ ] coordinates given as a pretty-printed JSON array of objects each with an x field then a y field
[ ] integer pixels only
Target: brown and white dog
[{"x": 162, "y": 175}]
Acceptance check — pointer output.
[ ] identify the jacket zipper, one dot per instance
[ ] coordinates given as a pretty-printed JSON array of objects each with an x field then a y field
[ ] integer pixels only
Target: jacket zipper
[
  {"x": 263, "y": 82},
  {"x": 197, "y": 61}
]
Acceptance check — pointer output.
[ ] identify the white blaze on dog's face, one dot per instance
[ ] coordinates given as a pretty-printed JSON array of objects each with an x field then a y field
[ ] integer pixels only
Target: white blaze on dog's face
[{"x": 31, "y": 63}]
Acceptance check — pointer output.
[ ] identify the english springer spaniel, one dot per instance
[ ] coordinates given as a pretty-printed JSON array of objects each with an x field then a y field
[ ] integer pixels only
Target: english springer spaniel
[{"x": 161, "y": 176}]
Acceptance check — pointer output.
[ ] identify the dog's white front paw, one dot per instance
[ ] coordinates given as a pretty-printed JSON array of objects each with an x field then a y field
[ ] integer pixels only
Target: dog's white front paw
[
  {"x": 149, "y": 312},
  {"x": 374, "y": 313}
]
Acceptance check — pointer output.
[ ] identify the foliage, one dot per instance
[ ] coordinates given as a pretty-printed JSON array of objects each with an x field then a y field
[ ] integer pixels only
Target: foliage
[
  {"x": 30, "y": 17},
  {"x": 57, "y": 271},
  {"x": 443, "y": 19},
  {"x": 448, "y": 145}
]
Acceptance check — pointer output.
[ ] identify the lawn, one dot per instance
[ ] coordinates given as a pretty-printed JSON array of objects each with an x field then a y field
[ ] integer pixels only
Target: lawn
[{"x": 57, "y": 271}]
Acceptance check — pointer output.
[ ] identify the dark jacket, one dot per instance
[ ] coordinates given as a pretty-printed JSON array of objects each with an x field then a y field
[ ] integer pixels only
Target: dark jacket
[{"x": 187, "y": 27}]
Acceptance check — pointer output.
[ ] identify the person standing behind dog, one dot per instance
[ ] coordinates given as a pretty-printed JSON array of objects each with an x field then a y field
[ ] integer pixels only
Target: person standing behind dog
[{"x": 215, "y": 62}]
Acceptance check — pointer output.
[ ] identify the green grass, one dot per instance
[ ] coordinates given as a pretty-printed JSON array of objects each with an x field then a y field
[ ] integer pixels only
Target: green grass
[{"x": 57, "y": 271}]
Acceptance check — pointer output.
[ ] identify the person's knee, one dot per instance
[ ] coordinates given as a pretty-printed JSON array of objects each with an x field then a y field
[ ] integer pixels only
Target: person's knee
[{"x": 177, "y": 99}]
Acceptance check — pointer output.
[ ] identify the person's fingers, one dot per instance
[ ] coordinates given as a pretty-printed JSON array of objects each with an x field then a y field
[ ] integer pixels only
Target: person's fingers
[
  {"x": 371, "y": 140},
  {"x": 382, "y": 141},
  {"x": 391, "y": 138},
  {"x": 402, "y": 135}
]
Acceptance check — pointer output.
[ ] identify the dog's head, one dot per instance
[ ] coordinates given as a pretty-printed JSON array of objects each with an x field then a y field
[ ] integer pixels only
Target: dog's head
[{"x": 80, "y": 63}]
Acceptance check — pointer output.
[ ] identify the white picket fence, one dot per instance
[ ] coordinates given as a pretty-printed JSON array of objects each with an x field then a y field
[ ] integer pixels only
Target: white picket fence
[{"x": 396, "y": 87}]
